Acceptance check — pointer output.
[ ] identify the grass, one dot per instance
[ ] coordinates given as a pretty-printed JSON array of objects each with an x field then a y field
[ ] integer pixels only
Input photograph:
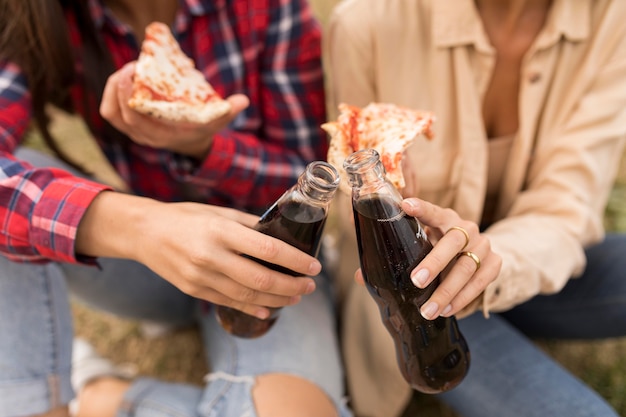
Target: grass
[{"x": 179, "y": 357}]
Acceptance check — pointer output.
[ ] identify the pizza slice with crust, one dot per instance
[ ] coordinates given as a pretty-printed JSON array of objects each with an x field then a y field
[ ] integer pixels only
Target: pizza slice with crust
[
  {"x": 167, "y": 85},
  {"x": 385, "y": 127}
]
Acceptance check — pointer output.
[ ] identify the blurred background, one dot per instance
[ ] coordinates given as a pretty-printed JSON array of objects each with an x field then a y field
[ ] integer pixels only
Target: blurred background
[{"x": 178, "y": 357}]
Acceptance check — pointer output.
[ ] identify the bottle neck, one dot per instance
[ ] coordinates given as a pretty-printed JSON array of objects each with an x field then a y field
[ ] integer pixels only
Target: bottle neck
[
  {"x": 367, "y": 174},
  {"x": 318, "y": 182}
]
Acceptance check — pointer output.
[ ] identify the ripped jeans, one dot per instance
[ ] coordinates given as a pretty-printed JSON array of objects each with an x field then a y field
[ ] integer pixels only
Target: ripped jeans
[
  {"x": 36, "y": 340},
  {"x": 36, "y": 329}
]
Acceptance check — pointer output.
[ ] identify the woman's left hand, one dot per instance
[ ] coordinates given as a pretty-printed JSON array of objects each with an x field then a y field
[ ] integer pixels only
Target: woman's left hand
[
  {"x": 192, "y": 139},
  {"x": 457, "y": 243}
]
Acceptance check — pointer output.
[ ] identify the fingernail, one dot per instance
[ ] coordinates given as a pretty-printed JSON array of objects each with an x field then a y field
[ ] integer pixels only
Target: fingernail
[
  {"x": 315, "y": 268},
  {"x": 429, "y": 310},
  {"x": 409, "y": 203},
  {"x": 310, "y": 288},
  {"x": 294, "y": 300},
  {"x": 447, "y": 310},
  {"x": 420, "y": 277},
  {"x": 262, "y": 314}
]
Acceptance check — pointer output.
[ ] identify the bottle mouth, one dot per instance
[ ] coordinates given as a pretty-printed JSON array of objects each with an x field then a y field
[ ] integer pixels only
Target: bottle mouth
[
  {"x": 363, "y": 163},
  {"x": 322, "y": 176},
  {"x": 360, "y": 160}
]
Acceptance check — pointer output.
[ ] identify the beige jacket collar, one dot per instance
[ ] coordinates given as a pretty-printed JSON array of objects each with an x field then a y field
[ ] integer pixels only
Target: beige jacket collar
[{"x": 457, "y": 23}]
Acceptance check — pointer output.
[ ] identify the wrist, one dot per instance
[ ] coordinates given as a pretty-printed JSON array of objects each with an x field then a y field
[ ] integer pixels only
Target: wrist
[
  {"x": 112, "y": 225},
  {"x": 197, "y": 150}
]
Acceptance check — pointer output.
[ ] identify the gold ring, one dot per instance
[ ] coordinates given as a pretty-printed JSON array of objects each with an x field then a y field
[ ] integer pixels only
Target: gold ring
[
  {"x": 474, "y": 257},
  {"x": 460, "y": 229}
]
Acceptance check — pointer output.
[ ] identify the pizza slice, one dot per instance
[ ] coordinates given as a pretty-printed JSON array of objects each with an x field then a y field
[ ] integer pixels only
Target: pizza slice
[
  {"x": 167, "y": 85},
  {"x": 385, "y": 127}
]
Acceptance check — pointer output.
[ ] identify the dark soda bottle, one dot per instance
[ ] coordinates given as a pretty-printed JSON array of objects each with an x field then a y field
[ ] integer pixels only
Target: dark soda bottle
[
  {"x": 298, "y": 218},
  {"x": 433, "y": 355}
]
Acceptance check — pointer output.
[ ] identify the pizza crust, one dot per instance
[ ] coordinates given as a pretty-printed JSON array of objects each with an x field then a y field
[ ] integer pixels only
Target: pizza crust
[{"x": 167, "y": 85}]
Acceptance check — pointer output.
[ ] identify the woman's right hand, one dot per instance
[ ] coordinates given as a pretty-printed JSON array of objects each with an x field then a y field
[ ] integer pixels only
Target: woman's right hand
[
  {"x": 467, "y": 277},
  {"x": 198, "y": 249}
]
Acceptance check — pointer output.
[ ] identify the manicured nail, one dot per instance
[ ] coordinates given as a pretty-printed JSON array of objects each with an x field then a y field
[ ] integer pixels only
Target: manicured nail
[
  {"x": 447, "y": 310},
  {"x": 429, "y": 310},
  {"x": 420, "y": 277}
]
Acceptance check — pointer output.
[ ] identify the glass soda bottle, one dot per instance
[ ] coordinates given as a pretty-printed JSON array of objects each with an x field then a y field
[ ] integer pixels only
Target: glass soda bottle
[
  {"x": 433, "y": 355},
  {"x": 298, "y": 218}
]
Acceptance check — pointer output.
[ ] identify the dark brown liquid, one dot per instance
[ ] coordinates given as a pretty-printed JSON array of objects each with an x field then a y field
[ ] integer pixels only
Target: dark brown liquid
[
  {"x": 432, "y": 355},
  {"x": 300, "y": 225}
]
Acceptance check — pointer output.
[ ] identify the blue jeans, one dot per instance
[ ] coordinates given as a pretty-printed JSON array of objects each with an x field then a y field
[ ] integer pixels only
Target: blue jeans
[
  {"x": 510, "y": 376},
  {"x": 36, "y": 339}
]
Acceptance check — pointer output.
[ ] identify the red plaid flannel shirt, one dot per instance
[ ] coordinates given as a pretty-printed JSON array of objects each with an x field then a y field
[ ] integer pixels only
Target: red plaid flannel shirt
[{"x": 266, "y": 49}]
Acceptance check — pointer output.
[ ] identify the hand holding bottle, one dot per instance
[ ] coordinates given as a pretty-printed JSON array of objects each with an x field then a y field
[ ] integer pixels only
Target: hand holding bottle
[
  {"x": 464, "y": 282},
  {"x": 198, "y": 248},
  {"x": 466, "y": 279},
  {"x": 297, "y": 218},
  {"x": 432, "y": 353}
]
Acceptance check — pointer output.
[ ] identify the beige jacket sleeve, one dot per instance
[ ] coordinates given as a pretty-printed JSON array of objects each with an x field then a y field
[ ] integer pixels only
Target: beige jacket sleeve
[
  {"x": 572, "y": 166},
  {"x": 560, "y": 209}
]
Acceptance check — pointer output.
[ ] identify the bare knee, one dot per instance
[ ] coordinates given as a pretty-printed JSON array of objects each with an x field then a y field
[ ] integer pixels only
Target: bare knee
[{"x": 282, "y": 395}]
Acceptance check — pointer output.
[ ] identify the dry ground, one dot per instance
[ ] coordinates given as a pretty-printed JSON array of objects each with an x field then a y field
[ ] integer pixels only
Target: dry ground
[{"x": 178, "y": 357}]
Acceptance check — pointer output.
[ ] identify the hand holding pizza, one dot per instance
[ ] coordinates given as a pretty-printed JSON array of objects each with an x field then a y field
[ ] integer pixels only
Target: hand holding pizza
[
  {"x": 161, "y": 100},
  {"x": 188, "y": 138}
]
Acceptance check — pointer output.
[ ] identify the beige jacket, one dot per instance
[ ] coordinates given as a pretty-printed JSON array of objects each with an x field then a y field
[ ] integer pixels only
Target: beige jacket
[{"x": 434, "y": 55}]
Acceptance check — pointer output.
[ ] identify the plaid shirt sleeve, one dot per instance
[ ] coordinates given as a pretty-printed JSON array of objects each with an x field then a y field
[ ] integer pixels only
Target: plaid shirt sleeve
[
  {"x": 252, "y": 167},
  {"x": 39, "y": 208}
]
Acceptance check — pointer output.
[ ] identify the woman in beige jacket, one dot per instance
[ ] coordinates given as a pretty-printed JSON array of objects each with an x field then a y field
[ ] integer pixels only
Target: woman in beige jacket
[{"x": 530, "y": 100}]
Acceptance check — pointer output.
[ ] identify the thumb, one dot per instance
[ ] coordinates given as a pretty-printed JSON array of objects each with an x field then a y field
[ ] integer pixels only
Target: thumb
[{"x": 238, "y": 103}]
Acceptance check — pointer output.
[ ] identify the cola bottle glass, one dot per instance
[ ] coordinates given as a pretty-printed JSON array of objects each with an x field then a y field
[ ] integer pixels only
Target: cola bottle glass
[
  {"x": 432, "y": 355},
  {"x": 298, "y": 218}
]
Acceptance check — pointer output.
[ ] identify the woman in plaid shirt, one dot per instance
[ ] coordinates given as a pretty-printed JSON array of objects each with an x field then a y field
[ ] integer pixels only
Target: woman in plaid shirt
[{"x": 172, "y": 241}]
